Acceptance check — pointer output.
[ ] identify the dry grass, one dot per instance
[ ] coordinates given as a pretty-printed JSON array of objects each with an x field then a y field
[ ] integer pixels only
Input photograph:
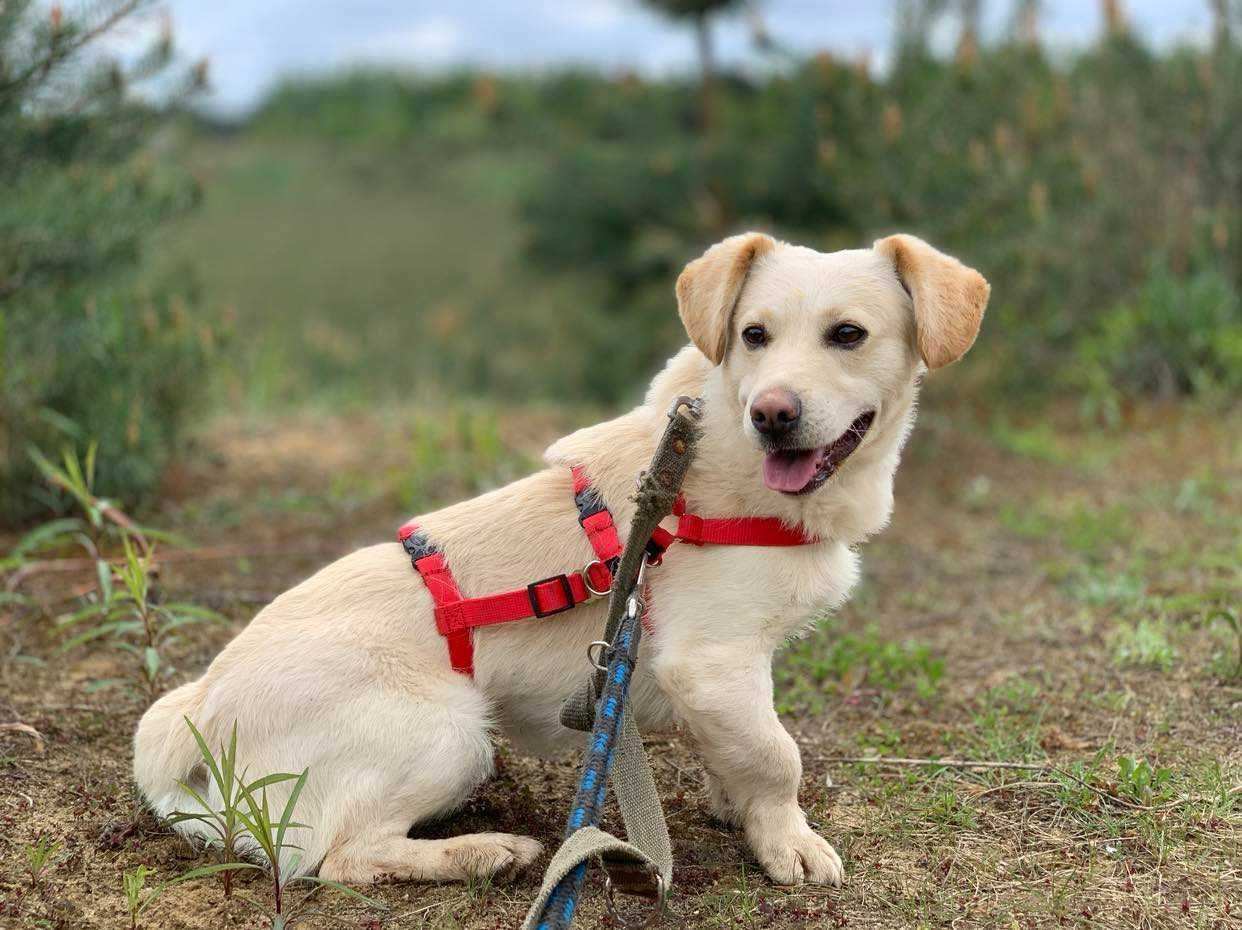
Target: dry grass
[{"x": 1043, "y": 597}]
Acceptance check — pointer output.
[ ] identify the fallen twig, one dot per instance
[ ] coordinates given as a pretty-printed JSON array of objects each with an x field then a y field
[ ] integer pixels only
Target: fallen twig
[{"x": 940, "y": 763}]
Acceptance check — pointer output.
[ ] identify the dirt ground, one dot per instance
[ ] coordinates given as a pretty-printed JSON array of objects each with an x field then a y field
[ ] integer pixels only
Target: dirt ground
[{"x": 1051, "y": 597}]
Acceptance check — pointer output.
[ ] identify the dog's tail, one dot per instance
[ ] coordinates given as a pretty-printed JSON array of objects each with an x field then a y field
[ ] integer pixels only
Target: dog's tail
[{"x": 166, "y": 757}]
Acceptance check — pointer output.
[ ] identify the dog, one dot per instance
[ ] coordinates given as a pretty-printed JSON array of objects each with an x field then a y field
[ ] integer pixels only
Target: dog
[{"x": 809, "y": 365}]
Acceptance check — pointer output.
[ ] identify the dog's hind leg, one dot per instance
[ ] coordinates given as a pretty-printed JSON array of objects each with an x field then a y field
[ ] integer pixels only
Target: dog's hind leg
[
  {"x": 388, "y": 852},
  {"x": 421, "y": 760}
]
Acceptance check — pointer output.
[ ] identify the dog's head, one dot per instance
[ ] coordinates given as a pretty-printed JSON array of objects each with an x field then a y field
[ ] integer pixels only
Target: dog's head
[{"x": 817, "y": 347}]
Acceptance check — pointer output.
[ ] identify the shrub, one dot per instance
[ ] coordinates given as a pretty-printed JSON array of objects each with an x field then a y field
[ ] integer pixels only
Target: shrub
[{"x": 1176, "y": 335}]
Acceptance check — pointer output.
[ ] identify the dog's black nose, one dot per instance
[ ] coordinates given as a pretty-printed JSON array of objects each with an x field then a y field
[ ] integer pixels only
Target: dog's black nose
[{"x": 775, "y": 412}]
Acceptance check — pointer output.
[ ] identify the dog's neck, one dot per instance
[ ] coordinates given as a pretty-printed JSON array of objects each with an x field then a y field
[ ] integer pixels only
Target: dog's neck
[{"x": 726, "y": 479}]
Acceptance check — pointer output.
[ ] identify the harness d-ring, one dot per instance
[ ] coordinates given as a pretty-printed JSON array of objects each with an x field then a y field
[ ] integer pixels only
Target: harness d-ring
[
  {"x": 661, "y": 904},
  {"x": 586, "y": 578},
  {"x": 597, "y": 658}
]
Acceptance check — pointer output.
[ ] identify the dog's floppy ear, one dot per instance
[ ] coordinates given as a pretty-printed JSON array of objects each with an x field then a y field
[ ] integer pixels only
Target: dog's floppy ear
[
  {"x": 709, "y": 287},
  {"x": 949, "y": 298}
]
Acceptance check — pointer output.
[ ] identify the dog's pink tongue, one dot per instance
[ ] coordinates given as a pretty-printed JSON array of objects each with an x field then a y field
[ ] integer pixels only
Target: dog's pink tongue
[{"x": 788, "y": 471}]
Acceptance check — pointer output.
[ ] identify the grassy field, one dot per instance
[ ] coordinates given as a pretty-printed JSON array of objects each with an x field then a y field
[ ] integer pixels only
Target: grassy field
[
  {"x": 350, "y": 273},
  {"x": 1047, "y": 601}
]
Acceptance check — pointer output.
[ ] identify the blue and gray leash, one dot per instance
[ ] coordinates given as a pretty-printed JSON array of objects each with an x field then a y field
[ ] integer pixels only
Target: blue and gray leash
[
  {"x": 588, "y": 808},
  {"x": 642, "y": 864}
]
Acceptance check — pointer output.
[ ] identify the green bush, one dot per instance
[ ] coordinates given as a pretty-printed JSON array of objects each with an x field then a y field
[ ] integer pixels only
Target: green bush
[
  {"x": 1176, "y": 335},
  {"x": 1060, "y": 176},
  {"x": 87, "y": 350},
  {"x": 1059, "y": 180}
]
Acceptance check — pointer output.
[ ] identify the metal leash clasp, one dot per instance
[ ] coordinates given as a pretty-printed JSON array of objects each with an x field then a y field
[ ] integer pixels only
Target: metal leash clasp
[{"x": 598, "y": 652}]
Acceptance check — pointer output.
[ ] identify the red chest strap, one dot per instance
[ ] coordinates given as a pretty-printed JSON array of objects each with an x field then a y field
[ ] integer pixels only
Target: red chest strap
[{"x": 456, "y": 615}]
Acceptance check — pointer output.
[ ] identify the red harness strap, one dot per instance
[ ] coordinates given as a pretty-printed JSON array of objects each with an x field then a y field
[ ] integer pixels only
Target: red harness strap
[
  {"x": 726, "y": 531},
  {"x": 457, "y": 615}
]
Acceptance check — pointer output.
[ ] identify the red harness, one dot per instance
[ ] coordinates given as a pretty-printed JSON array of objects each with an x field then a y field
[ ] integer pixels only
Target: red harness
[{"x": 457, "y": 615}]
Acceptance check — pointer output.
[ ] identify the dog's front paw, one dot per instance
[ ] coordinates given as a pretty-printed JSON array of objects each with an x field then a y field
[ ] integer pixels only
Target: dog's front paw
[{"x": 799, "y": 855}]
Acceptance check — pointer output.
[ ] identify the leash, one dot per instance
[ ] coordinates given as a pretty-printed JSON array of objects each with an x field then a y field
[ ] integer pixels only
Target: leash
[{"x": 643, "y": 864}]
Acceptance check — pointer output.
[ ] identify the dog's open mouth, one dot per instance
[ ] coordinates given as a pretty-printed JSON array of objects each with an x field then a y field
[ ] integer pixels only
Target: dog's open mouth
[{"x": 800, "y": 471}]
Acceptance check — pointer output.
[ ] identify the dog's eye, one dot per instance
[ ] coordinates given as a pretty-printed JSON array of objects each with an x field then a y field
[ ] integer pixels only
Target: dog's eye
[
  {"x": 755, "y": 336},
  {"x": 846, "y": 334}
]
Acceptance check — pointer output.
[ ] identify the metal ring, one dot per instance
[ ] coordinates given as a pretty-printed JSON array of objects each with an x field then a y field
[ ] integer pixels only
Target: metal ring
[
  {"x": 598, "y": 663},
  {"x": 656, "y": 912},
  {"x": 586, "y": 578}
]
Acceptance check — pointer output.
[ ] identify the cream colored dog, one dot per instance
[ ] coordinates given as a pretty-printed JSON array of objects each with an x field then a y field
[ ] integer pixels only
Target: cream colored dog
[{"x": 797, "y": 355}]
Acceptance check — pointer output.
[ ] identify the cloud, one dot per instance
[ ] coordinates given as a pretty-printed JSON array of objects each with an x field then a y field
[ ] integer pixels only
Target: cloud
[
  {"x": 431, "y": 43},
  {"x": 251, "y": 45}
]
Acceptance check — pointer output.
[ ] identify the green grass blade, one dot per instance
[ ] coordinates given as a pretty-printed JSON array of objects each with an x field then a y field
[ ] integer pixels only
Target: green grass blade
[
  {"x": 266, "y": 780},
  {"x": 42, "y": 536},
  {"x": 287, "y": 814},
  {"x": 204, "y": 750}
]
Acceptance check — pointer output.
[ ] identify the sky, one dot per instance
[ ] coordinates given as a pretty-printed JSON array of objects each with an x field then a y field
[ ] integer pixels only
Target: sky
[{"x": 251, "y": 45}]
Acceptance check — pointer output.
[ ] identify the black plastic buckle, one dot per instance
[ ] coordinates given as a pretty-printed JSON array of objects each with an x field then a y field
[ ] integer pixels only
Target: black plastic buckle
[
  {"x": 533, "y": 594},
  {"x": 589, "y": 503},
  {"x": 418, "y": 546}
]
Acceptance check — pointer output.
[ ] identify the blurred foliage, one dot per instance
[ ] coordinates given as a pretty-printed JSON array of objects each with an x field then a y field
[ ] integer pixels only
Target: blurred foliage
[
  {"x": 1176, "y": 335},
  {"x": 1100, "y": 192},
  {"x": 87, "y": 350},
  {"x": 385, "y": 235}
]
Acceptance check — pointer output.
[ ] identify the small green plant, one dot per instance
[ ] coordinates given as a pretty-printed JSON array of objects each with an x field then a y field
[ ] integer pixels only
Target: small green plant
[
  {"x": 245, "y": 817},
  {"x": 948, "y": 809},
  {"x": 125, "y": 615},
  {"x": 123, "y": 610},
  {"x": 1229, "y": 663},
  {"x": 1092, "y": 530},
  {"x": 833, "y": 660},
  {"x": 1039, "y": 442},
  {"x": 138, "y": 897},
  {"x": 1100, "y": 586},
  {"x": 41, "y": 856},
  {"x": 1139, "y": 781},
  {"x": 100, "y": 520},
  {"x": 133, "y": 882},
  {"x": 1145, "y": 643},
  {"x": 226, "y": 822}
]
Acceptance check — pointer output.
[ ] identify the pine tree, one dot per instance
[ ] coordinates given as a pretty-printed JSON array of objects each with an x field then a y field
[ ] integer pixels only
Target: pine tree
[
  {"x": 700, "y": 13},
  {"x": 1027, "y": 22},
  {"x": 86, "y": 351},
  {"x": 970, "y": 12},
  {"x": 1114, "y": 16}
]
